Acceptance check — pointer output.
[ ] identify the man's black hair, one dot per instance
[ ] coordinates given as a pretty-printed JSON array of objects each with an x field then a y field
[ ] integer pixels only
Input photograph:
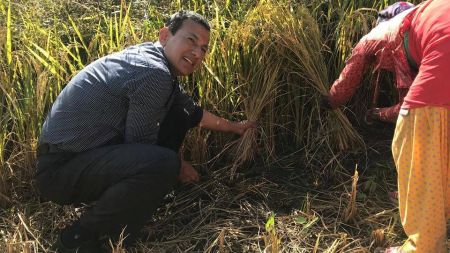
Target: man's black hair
[{"x": 176, "y": 20}]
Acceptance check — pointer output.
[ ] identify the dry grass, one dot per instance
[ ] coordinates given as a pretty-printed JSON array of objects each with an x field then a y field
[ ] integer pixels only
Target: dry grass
[
  {"x": 277, "y": 209},
  {"x": 261, "y": 210}
]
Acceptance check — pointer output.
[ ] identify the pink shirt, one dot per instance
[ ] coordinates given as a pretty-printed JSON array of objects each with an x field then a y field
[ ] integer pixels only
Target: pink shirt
[
  {"x": 382, "y": 48},
  {"x": 429, "y": 44}
]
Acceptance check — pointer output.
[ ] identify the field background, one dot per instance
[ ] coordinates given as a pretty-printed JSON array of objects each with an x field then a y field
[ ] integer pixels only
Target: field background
[{"x": 307, "y": 180}]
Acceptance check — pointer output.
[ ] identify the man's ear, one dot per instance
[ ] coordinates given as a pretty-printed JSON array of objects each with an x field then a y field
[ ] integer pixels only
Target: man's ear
[{"x": 164, "y": 35}]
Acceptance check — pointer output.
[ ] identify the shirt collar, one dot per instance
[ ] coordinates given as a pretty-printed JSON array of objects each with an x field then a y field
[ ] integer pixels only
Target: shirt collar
[{"x": 160, "y": 48}]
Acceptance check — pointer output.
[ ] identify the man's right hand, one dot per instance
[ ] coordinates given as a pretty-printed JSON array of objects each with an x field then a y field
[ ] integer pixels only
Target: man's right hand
[
  {"x": 187, "y": 173},
  {"x": 242, "y": 126}
]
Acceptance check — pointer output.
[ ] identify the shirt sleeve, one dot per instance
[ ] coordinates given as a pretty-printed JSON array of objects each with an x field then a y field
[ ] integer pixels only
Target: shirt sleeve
[
  {"x": 363, "y": 55},
  {"x": 184, "y": 101},
  {"x": 148, "y": 98}
]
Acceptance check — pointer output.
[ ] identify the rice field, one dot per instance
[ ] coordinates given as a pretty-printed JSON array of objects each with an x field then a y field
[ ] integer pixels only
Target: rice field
[{"x": 306, "y": 180}]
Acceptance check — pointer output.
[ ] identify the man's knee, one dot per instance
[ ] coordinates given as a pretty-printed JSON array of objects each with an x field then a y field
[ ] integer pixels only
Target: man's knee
[
  {"x": 157, "y": 163},
  {"x": 49, "y": 191},
  {"x": 169, "y": 163},
  {"x": 46, "y": 179}
]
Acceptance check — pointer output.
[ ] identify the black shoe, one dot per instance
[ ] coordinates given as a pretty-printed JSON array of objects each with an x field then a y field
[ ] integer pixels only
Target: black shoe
[
  {"x": 77, "y": 239},
  {"x": 90, "y": 246}
]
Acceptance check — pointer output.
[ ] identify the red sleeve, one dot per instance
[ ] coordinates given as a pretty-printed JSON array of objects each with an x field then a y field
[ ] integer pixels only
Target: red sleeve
[{"x": 363, "y": 55}]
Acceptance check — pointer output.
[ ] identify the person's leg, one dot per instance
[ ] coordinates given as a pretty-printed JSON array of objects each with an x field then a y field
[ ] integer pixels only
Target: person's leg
[
  {"x": 128, "y": 183},
  {"x": 421, "y": 154}
]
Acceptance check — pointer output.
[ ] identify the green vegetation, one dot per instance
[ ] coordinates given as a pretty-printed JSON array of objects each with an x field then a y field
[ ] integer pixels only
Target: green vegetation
[{"x": 269, "y": 61}]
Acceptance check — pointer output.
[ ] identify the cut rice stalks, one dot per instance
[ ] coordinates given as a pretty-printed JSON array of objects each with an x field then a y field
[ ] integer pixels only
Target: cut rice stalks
[
  {"x": 351, "y": 210},
  {"x": 281, "y": 59}
]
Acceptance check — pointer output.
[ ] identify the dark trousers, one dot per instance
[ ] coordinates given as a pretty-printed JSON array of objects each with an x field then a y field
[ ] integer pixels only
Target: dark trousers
[{"x": 126, "y": 182}]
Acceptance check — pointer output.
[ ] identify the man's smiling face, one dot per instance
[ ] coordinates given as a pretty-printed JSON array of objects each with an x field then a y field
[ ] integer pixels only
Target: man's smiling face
[{"x": 186, "y": 49}]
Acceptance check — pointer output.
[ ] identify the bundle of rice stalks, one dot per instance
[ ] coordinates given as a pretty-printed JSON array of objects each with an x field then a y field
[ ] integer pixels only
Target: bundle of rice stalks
[
  {"x": 256, "y": 77},
  {"x": 282, "y": 68},
  {"x": 260, "y": 93},
  {"x": 302, "y": 47}
]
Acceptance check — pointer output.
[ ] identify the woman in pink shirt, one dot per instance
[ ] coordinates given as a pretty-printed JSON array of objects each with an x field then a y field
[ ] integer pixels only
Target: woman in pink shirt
[
  {"x": 421, "y": 144},
  {"x": 414, "y": 44},
  {"x": 381, "y": 48}
]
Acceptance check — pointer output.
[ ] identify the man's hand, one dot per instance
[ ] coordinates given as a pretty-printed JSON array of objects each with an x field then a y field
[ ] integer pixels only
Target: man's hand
[
  {"x": 216, "y": 123},
  {"x": 242, "y": 126},
  {"x": 187, "y": 173}
]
